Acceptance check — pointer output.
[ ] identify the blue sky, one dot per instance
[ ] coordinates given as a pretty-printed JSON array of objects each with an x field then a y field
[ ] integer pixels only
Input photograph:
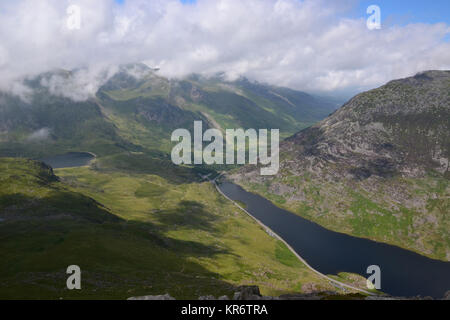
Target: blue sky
[
  {"x": 398, "y": 12},
  {"x": 401, "y": 12}
]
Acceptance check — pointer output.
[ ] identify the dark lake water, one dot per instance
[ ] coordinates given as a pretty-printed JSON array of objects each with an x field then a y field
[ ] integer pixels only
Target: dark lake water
[
  {"x": 403, "y": 273},
  {"x": 69, "y": 160}
]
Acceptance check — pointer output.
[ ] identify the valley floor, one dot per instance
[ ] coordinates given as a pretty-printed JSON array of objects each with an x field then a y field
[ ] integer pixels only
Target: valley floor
[{"x": 134, "y": 231}]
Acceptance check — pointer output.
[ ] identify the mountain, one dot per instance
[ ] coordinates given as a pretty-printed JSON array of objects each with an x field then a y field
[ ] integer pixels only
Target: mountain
[
  {"x": 137, "y": 110},
  {"x": 48, "y": 123},
  {"x": 378, "y": 167}
]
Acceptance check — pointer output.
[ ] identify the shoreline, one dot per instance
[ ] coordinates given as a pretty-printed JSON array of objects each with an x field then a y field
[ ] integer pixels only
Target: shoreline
[
  {"x": 275, "y": 235},
  {"x": 398, "y": 245}
]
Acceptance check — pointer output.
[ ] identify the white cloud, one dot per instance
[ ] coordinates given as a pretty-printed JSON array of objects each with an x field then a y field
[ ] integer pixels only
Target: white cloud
[
  {"x": 78, "y": 85},
  {"x": 18, "y": 88},
  {"x": 39, "y": 135},
  {"x": 302, "y": 44}
]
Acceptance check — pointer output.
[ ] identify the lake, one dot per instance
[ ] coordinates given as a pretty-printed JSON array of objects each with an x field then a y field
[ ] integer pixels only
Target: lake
[
  {"x": 69, "y": 160},
  {"x": 403, "y": 272}
]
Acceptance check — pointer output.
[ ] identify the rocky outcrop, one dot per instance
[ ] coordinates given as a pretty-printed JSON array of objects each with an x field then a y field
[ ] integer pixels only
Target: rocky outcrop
[
  {"x": 400, "y": 128},
  {"x": 247, "y": 293},
  {"x": 160, "y": 297},
  {"x": 252, "y": 293},
  {"x": 447, "y": 295}
]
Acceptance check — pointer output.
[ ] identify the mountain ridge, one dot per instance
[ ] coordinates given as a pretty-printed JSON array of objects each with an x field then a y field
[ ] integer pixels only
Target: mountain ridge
[
  {"x": 136, "y": 109},
  {"x": 375, "y": 168}
]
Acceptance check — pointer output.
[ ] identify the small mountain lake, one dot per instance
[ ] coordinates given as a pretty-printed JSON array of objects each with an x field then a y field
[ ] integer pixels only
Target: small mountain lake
[
  {"x": 403, "y": 272},
  {"x": 69, "y": 160}
]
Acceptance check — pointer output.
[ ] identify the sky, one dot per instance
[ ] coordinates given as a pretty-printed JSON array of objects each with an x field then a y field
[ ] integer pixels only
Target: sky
[
  {"x": 398, "y": 12},
  {"x": 310, "y": 45},
  {"x": 411, "y": 11}
]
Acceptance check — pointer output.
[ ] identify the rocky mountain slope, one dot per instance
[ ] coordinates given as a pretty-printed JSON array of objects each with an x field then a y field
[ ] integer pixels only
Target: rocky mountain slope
[{"x": 378, "y": 167}]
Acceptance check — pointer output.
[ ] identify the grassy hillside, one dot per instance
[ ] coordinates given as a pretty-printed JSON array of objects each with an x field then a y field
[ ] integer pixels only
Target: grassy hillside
[
  {"x": 416, "y": 220},
  {"x": 132, "y": 232},
  {"x": 66, "y": 125},
  {"x": 224, "y": 104},
  {"x": 137, "y": 110}
]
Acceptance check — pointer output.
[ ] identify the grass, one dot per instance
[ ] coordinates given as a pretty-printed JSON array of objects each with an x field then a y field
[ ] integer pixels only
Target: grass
[
  {"x": 421, "y": 227},
  {"x": 132, "y": 233}
]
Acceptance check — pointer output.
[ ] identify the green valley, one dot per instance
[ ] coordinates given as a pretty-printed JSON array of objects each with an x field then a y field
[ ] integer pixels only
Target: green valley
[{"x": 132, "y": 234}]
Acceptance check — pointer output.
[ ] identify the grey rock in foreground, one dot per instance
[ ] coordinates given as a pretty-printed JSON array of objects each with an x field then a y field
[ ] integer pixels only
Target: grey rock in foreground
[
  {"x": 447, "y": 295},
  {"x": 160, "y": 297},
  {"x": 251, "y": 293}
]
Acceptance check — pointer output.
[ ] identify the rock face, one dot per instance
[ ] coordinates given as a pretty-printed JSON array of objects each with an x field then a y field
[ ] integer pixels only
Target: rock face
[
  {"x": 401, "y": 128},
  {"x": 247, "y": 293},
  {"x": 378, "y": 167}
]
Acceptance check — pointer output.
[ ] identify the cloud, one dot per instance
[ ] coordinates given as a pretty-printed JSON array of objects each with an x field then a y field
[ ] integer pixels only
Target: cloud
[
  {"x": 39, "y": 135},
  {"x": 18, "y": 88},
  {"x": 78, "y": 85},
  {"x": 306, "y": 45}
]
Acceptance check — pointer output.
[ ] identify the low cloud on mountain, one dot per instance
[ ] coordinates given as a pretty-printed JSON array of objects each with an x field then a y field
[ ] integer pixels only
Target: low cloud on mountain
[
  {"x": 39, "y": 135},
  {"x": 307, "y": 45},
  {"x": 81, "y": 85}
]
